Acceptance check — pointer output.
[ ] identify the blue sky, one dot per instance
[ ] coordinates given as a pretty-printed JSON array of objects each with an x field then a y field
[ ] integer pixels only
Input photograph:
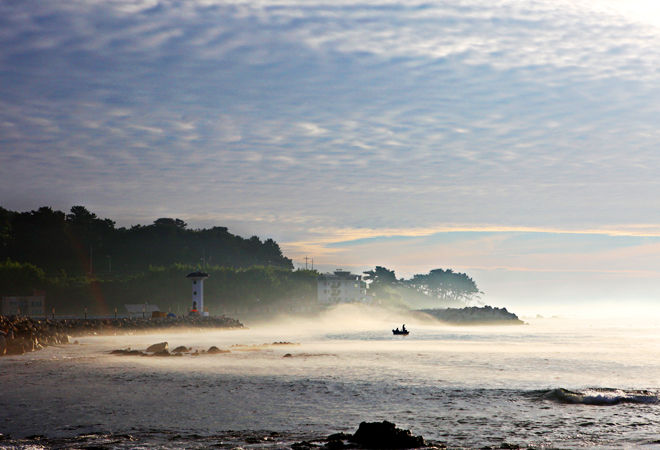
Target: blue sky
[{"x": 513, "y": 140}]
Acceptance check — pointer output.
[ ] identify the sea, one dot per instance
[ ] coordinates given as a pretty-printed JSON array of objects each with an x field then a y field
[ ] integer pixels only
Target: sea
[{"x": 553, "y": 383}]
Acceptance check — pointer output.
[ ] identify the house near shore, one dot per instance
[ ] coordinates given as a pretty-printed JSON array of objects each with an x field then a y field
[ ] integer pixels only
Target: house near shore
[
  {"x": 31, "y": 306},
  {"x": 342, "y": 287}
]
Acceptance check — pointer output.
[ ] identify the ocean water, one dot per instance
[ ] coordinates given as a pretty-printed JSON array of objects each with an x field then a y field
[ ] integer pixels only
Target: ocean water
[{"x": 554, "y": 383}]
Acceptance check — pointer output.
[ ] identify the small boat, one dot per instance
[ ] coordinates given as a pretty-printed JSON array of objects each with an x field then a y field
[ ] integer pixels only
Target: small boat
[{"x": 401, "y": 332}]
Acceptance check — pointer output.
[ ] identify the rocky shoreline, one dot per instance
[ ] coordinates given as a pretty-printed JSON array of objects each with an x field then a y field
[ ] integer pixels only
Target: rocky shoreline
[
  {"x": 369, "y": 436},
  {"x": 19, "y": 335}
]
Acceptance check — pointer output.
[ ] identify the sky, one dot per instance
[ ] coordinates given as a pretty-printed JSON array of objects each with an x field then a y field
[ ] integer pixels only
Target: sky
[{"x": 512, "y": 140}]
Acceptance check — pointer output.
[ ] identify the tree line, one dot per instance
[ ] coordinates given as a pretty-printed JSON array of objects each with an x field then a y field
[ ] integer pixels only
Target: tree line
[
  {"x": 80, "y": 242},
  {"x": 444, "y": 287},
  {"x": 83, "y": 261}
]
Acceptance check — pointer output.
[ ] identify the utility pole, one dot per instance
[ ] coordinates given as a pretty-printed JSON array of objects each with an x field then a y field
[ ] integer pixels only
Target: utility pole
[
  {"x": 312, "y": 263},
  {"x": 306, "y": 259}
]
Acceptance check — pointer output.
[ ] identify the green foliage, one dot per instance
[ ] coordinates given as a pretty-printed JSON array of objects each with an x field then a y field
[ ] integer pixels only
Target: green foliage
[
  {"x": 92, "y": 264},
  {"x": 39, "y": 237},
  {"x": 6, "y": 217},
  {"x": 21, "y": 279},
  {"x": 380, "y": 277},
  {"x": 382, "y": 282},
  {"x": 390, "y": 296},
  {"x": 446, "y": 285}
]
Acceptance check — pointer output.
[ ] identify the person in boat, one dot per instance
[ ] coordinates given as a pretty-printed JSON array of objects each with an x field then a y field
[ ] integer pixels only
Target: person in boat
[
  {"x": 403, "y": 329},
  {"x": 397, "y": 330}
]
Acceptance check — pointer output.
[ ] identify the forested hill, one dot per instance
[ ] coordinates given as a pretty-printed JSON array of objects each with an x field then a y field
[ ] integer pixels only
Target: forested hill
[{"x": 77, "y": 241}]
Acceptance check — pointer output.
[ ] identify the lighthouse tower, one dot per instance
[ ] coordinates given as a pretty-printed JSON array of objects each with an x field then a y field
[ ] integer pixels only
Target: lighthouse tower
[{"x": 198, "y": 291}]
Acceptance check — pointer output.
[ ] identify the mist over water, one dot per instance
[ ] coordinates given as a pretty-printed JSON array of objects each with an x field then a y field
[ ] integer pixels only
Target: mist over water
[{"x": 561, "y": 382}]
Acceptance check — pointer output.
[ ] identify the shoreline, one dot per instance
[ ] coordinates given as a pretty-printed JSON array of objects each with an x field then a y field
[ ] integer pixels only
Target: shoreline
[
  {"x": 233, "y": 439},
  {"x": 20, "y": 335}
]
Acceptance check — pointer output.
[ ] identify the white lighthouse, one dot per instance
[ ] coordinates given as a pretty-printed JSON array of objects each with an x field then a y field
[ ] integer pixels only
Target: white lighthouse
[{"x": 198, "y": 292}]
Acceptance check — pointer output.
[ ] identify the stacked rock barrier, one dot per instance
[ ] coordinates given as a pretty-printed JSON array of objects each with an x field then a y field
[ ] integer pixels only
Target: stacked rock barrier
[{"x": 19, "y": 335}]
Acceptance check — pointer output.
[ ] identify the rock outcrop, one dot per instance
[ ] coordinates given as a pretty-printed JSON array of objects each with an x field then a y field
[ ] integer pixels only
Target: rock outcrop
[
  {"x": 158, "y": 348},
  {"x": 376, "y": 435},
  {"x": 486, "y": 315},
  {"x": 385, "y": 435},
  {"x": 215, "y": 350}
]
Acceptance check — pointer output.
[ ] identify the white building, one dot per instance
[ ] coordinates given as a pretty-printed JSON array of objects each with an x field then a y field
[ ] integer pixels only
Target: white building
[
  {"x": 32, "y": 306},
  {"x": 342, "y": 287}
]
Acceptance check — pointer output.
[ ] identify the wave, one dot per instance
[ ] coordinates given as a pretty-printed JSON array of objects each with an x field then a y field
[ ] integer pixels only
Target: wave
[{"x": 601, "y": 397}]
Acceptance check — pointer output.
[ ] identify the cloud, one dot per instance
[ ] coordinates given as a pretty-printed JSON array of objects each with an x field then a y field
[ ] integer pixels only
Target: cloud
[{"x": 338, "y": 121}]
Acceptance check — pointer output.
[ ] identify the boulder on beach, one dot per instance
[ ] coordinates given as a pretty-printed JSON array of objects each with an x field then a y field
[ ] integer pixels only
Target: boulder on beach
[
  {"x": 385, "y": 435},
  {"x": 215, "y": 350},
  {"x": 181, "y": 349},
  {"x": 157, "y": 348}
]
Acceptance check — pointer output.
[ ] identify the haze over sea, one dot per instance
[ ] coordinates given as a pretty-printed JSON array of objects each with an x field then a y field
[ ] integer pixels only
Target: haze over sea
[{"x": 554, "y": 383}]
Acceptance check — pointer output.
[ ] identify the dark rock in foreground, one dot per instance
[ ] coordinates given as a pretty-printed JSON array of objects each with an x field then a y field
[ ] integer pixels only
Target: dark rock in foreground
[
  {"x": 385, "y": 435},
  {"x": 474, "y": 316},
  {"x": 376, "y": 435}
]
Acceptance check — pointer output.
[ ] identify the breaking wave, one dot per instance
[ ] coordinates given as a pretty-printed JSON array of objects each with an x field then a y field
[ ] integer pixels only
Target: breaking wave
[{"x": 601, "y": 397}]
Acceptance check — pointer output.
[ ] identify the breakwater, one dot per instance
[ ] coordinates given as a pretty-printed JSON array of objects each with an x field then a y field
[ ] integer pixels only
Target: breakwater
[{"x": 19, "y": 335}]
